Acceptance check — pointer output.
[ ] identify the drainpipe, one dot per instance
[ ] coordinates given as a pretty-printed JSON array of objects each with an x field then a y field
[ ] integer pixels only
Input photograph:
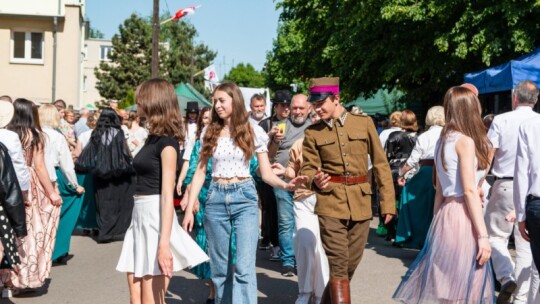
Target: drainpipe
[
  {"x": 55, "y": 30},
  {"x": 54, "y": 61}
]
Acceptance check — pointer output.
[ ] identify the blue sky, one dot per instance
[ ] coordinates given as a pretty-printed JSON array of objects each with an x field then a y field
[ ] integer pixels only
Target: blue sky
[{"x": 239, "y": 30}]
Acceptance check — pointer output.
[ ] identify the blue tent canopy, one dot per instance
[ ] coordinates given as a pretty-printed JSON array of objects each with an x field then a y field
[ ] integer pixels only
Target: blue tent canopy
[{"x": 505, "y": 76}]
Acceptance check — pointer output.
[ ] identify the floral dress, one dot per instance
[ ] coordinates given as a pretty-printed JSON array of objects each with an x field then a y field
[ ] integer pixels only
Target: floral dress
[{"x": 35, "y": 250}]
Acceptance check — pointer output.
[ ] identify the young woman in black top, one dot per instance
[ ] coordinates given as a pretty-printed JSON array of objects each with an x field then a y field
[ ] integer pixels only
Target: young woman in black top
[{"x": 155, "y": 245}]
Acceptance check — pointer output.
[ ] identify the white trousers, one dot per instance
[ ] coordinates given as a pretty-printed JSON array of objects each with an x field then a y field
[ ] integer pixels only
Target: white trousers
[
  {"x": 311, "y": 260},
  {"x": 499, "y": 230}
]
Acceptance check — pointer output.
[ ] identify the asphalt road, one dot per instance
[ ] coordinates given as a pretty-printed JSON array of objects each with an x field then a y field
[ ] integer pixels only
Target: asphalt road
[{"x": 90, "y": 277}]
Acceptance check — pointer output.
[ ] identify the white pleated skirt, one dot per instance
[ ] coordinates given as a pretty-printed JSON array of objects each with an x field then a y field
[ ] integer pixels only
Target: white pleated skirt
[{"x": 139, "y": 251}]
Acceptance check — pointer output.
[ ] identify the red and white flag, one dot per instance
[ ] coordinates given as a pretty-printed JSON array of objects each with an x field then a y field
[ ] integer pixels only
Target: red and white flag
[
  {"x": 210, "y": 77},
  {"x": 182, "y": 13}
]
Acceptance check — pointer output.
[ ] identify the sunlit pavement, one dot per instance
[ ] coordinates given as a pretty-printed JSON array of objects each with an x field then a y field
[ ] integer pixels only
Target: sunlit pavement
[{"x": 90, "y": 277}]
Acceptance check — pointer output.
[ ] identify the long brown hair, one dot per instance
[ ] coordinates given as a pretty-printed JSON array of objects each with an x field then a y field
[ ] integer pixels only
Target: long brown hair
[
  {"x": 159, "y": 103},
  {"x": 200, "y": 125},
  {"x": 241, "y": 131},
  {"x": 462, "y": 113},
  {"x": 25, "y": 123}
]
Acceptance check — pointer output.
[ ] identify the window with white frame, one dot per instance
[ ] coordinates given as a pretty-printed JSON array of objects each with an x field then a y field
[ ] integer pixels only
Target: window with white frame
[
  {"x": 27, "y": 47},
  {"x": 104, "y": 53}
]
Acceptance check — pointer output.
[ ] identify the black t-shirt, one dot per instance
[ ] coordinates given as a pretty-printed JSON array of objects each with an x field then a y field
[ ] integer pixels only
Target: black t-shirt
[{"x": 147, "y": 163}]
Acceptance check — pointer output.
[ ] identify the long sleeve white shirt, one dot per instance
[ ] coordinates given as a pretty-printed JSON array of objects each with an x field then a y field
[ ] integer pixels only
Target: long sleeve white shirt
[
  {"x": 527, "y": 165},
  {"x": 12, "y": 142},
  {"x": 57, "y": 154},
  {"x": 425, "y": 146},
  {"x": 190, "y": 140}
]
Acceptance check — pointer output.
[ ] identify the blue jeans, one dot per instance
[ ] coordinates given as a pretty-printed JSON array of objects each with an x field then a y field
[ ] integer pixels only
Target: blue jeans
[
  {"x": 227, "y": 206},
  {"x": 532, "y": 220},
  {"x": 285, "y": 209}
]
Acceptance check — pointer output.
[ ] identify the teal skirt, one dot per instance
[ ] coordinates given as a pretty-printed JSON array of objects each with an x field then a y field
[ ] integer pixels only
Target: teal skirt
[
  {"x": 87, "y": 216},
  {"x": 69, "y": 214},
  {"x": 416, "y": 209}
]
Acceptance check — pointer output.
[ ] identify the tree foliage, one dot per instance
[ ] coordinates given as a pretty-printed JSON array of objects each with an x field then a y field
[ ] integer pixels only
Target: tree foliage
[
  {"x": 245, "y": 75},
  {"x": 95, "y": 33},
  {"x": 420, "y": 47},
  {"x": 131, "y": 55}
]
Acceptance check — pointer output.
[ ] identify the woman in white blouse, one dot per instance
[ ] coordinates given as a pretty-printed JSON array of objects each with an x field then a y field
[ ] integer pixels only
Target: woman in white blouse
[
  {"x": 137, "y": 134},
  {"x": 232, "y": 199},
  {"x": 60, "y": 164},
  {"x": 418, "y": 194}
]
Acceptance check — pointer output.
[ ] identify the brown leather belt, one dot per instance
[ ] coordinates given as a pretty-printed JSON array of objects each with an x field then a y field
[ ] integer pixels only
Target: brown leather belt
[
  {"x": 427, "y": 162},
  {"x": 349, "y": 179}
]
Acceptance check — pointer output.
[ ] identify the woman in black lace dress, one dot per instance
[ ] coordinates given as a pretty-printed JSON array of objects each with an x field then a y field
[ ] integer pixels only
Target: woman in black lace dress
[{"x": 108, "y": 158}]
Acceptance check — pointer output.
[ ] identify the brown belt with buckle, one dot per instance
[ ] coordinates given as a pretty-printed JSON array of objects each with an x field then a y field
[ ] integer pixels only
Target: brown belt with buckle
[
  {"x": 349, "y": 179},
  {"x": 427, "y": 162}
]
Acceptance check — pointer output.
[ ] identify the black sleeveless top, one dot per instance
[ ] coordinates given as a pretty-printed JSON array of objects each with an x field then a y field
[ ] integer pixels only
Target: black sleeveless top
[{"x": 147, "y": 163}]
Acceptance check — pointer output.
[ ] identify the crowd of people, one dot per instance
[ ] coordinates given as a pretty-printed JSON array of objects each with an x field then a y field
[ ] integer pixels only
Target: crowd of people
[{"x": 309, "y": 176}]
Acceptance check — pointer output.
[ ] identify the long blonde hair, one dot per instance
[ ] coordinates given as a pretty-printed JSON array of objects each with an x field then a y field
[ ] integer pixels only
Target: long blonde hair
[
  {"x": 241, "y": 131},
  {"x": 462, "y": 113}
]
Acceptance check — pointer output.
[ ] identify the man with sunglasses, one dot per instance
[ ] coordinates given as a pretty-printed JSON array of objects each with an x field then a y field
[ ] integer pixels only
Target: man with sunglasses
[{"x": 336, "y": 154}]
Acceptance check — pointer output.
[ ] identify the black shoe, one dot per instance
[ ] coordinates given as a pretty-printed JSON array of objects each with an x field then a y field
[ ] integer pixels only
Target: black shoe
[
  {"x": 210, "y": 301},
  {"x": 287, "y": 271},
  {"x": 63, "y": 259},
  {"x": 507, "y": 289}
]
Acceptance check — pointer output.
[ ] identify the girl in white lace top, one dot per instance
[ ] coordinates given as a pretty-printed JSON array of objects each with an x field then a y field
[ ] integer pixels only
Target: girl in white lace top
[{"x": 232, "y": 200}]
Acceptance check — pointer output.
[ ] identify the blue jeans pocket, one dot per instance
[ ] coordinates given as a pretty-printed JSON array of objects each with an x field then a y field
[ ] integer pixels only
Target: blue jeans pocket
[{"x": 249, "y": 193}]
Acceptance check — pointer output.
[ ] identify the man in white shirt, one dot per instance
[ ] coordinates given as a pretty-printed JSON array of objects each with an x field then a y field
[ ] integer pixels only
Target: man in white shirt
[
  {"x": 527, "y": 194},
  {"x": 258, "y": 109},
  {"x": 500, "y": 213},
  {"x": 12, "y": 142}
]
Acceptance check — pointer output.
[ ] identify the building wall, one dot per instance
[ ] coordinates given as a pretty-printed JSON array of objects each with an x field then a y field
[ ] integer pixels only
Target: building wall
[
  {"x": 34, "y": 81},
  {"x": 33, "y": 7},
  {"x": 69, "y": 58},
  {"x": 91, "y": 61}
]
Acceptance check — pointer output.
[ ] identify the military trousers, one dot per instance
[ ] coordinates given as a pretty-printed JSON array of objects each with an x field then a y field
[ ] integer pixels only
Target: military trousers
[{"x": 344, "y": 242}]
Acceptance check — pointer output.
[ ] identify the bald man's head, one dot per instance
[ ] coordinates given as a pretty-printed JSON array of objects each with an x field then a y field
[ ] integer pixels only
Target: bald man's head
[{"x": 300, "y": 108}]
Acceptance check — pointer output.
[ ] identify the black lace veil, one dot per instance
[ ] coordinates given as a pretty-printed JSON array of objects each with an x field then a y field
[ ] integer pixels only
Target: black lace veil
[{"x": 107, "y": 154}]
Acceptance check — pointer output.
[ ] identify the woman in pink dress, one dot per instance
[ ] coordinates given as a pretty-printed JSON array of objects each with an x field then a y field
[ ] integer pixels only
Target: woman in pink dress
[
  {"x": 453, "y": 266},
  {"x": 42, "y": 207}
]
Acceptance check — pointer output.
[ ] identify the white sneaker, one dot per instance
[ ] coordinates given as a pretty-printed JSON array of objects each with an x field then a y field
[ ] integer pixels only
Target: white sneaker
[{"x": 7, "y": 293}]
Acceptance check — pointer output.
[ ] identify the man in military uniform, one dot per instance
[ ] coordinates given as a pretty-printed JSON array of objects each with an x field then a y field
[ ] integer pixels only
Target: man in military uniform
[{"x": 336, "y": 154}]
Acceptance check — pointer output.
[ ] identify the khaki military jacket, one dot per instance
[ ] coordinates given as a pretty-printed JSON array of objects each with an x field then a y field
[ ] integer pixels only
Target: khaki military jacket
[{"x": 341, "y": 147}]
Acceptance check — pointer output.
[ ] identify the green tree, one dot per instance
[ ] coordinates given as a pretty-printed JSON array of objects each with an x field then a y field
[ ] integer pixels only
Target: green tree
[
  {"x": 130, "y": 58},
  {"x": 95, "y": 33},
  {"x": 245, "y": 75},
  {"x": 183, "y": 57},
  {"x": 420, "y": 47}
]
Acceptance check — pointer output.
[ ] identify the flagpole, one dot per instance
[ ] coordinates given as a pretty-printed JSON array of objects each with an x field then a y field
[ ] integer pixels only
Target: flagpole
[
  {"x": 166, "y": 20},
  {"x": 155, "y": 40}
]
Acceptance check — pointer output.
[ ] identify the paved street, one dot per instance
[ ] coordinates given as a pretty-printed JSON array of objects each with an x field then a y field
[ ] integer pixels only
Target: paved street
[{"x": 90, "y": 277}]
